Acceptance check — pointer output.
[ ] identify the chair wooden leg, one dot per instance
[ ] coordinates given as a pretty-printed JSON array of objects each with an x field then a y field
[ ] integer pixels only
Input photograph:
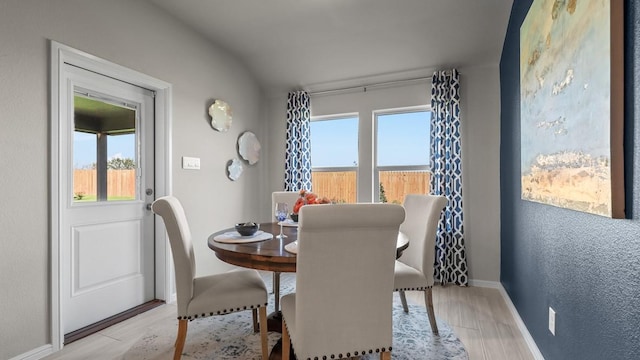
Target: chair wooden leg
[
  {"x": 255, "y": 320},
  {"x": 403, "y": 299},
  {"x": 428, "y": 299},
  {"x": 263, "y": 333},
  {"x": 286, "y": 342},
  {"x": 385, "y": 355},
  {"x": 182, "y": 335}
]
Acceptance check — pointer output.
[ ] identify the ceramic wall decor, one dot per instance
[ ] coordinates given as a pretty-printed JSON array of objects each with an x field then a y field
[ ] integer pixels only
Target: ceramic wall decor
[
  {"x": 221, "y": 117},
  {"x": 234, "y": 169},
  {"x": 249, "y": 147}
]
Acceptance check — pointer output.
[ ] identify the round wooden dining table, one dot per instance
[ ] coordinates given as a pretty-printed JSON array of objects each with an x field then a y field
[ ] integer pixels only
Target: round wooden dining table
[{"x": 270, "y": 255}]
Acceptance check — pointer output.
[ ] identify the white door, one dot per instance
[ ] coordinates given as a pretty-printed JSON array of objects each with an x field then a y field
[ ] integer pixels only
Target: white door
[{"x": 106, "y": 182}]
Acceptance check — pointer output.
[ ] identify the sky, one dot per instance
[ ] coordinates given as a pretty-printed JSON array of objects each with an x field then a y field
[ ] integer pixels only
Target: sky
[
  {"x": 84, "y": 148},
  {"x": 403, "y": 139}
]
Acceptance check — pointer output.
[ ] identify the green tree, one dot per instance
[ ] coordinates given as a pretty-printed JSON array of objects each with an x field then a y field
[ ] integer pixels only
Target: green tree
[
  {"x": 383, "y": 195},
  {"x": 119, "y": 164}
]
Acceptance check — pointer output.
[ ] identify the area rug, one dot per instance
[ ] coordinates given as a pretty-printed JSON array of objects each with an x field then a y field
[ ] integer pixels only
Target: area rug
[{"x": 231, "y": 336}]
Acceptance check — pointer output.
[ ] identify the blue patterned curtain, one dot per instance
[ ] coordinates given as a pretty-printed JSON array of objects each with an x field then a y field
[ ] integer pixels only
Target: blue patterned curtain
[
  {"x": 446, "y": 177},
  {"x": 297, "y": 167}
]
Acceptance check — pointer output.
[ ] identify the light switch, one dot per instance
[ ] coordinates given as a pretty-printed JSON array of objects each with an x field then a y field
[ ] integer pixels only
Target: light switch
[{"x": 190, "y": 163}]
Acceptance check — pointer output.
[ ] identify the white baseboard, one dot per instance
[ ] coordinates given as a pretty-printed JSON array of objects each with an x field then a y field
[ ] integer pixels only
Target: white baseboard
[
  {"x": 485, "y": 284},
  {"x": 35, "y": 354},
  {"x": 523, "y": 328}
]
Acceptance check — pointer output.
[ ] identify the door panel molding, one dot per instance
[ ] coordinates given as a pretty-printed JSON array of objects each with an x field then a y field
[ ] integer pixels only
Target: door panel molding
[{"x": 61, "y": 54}]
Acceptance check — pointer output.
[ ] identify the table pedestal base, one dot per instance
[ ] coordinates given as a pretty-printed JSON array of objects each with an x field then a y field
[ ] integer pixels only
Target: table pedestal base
[
  {"x": 276, "y": 352},
  {"x": 274, "y": 323}
]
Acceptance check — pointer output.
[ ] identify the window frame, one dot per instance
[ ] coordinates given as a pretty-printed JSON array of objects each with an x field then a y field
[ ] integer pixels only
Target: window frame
[{"x": 375, "y": 168}]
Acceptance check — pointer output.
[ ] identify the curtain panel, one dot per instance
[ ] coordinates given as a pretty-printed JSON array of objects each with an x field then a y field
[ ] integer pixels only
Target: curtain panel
[
  {"x": 446, "y": 177},
  {"x": 297, "y": 168}
]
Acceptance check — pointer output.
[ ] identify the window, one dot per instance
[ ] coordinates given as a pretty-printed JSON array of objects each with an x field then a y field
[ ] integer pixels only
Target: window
[
  {"x": 401, "y": 154},
  {"x": 334, "y": 157},
  {"x": 104, "y": 150}
]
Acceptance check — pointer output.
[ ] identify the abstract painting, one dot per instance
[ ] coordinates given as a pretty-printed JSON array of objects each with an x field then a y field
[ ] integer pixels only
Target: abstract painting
[{"x": 571, "y": 101}]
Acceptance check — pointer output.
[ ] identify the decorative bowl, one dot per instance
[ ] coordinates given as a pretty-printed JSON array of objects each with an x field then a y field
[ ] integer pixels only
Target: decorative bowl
[
  {"x": 247, "y": 228},
  {"x": 294, "y": 217}
]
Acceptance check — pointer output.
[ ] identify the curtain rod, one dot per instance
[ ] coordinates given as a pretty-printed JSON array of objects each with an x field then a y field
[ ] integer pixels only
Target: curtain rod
[{"x": 365, "y": 87}]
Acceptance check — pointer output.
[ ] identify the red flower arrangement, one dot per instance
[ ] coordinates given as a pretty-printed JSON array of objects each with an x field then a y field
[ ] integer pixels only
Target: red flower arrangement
[{"x": 308, "y": 198}]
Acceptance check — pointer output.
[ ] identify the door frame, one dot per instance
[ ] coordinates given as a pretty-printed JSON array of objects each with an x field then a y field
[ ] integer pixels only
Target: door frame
[{"x": 59, "y": 55}]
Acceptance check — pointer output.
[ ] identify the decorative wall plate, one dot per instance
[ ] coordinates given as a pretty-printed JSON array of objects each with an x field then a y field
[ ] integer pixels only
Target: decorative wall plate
[
  {"x": 220, "y": 113},
  {"x": 249, "y": 147},
  {"x": 234, "y": 169}
]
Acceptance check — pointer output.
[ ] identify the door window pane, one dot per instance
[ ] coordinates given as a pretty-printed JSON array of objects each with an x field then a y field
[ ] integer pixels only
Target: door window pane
[
  {"x": 104, "y": 151},
  {"x": 84, "y": 162},
  {"x": 121, "y": 167}
]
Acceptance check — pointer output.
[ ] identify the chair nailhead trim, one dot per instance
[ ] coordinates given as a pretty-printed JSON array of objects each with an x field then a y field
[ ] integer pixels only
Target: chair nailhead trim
[
  {"x": 348, "y": 355},
  {"x": 220, "y": 312},
  {"x": 422, "y": 288}
]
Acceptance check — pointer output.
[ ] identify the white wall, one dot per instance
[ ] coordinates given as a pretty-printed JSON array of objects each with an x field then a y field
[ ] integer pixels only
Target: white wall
[
  {"x": 136, "y": 35},
  {"x": 480, "y": 109}
]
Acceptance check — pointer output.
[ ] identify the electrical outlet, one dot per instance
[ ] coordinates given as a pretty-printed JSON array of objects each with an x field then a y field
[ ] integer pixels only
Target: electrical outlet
[
  {"x": 190, "y": 163},
  {"x": 552, "y": 321}
]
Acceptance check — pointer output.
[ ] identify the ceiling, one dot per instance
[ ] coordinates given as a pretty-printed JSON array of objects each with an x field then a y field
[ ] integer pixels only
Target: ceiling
[{"x": 322, "y": 44}]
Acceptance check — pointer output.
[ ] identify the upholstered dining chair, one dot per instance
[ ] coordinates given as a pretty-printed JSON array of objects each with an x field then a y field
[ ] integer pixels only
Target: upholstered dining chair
[
  {"x": 290, "y": 198},
  {"x": 414, "y": 269},
  {"x": 342, "y": 306},
  {"x": 210, "y": 295}
]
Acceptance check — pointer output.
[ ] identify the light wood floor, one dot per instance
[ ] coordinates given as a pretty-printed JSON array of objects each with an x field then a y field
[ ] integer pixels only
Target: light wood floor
[
  {"x": 481, "y": 319},
  {"x": 479, "y": 316}
]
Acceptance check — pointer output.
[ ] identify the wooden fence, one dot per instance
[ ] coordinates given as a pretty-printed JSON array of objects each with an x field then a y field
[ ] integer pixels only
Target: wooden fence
[
  {"x": 120, "y": 183},
  {"x": 341, "y": 186},
  {"x": 338, "y": 186}
]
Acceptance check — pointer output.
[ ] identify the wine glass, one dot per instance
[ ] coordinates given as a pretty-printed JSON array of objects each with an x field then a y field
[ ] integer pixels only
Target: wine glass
[{"x": 281, "y": 211}]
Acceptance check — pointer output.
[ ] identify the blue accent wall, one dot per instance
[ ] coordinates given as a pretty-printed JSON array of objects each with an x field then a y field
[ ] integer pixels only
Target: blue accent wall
[{"x": 586, "y": 267}]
